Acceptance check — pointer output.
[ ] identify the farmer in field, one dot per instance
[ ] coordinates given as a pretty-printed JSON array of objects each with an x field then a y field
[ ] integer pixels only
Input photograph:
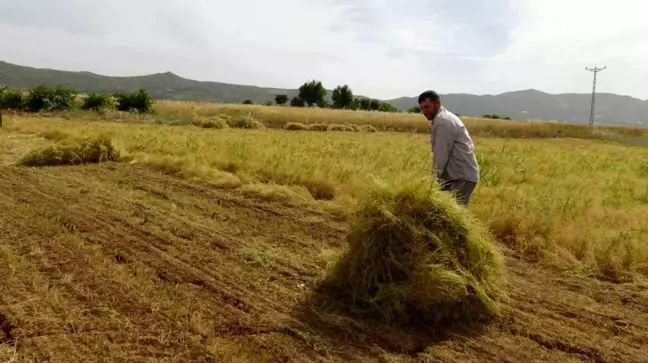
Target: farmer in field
[{"x": 454, "y": 161}]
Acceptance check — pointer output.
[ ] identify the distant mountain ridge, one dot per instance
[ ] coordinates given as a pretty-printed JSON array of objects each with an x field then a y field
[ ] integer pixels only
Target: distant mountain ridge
[{"x": 529, "y": 104}]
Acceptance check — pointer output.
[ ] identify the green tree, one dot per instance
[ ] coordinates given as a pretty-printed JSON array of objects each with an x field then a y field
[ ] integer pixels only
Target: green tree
[
  {"x": 11, "y": 99},
  {"x": 374, "y": 105},
  {"x": 44, "y": 98},
  {"x": 281, "y": 99},
  {"x": 342, "y": 97},
  {"x": 248, "y": 102},
  {"x": 355, "y": 105},
  {"x": 365, "y": 104},
  {"x": 140, "y": 101},
  {"x": 312, "y": 93},
  {"x": 297, "y": 102},
  {"x": 386, "y": 107},
  {"x": 414, "y": 109},
  {"x": 95, "y": 101}
]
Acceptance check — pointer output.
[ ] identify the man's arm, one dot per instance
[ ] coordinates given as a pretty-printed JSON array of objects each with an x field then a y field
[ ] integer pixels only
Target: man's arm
[{"x": 442, "y": 142}]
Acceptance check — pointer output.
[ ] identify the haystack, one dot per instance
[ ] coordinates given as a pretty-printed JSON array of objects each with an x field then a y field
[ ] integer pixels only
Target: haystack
[
  {"x": 415, "y": 257},
  {"x": 71, "y": 151}
]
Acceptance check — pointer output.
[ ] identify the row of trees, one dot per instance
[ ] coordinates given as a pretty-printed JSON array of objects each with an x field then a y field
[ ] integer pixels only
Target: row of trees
[
  {"x": 313, "y": 94},
  {"x": 59, "y": 98}
]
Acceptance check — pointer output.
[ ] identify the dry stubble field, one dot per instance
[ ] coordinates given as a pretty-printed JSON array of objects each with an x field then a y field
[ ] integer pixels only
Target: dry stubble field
[{"x": 208, "y": 245}]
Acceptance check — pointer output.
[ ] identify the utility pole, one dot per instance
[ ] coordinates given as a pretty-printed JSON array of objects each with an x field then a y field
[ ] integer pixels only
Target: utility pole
[{"x": 595, "y": 70}]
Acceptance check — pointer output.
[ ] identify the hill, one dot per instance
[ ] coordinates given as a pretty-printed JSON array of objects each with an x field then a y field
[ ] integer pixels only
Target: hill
[
  {"x": 161, "y": 85},
  {"x": 536, "y": 105},
  {"x": 520, "y": 105}
]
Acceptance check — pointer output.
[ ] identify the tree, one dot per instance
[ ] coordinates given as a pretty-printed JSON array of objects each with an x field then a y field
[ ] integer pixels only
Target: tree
[
  {"x": 312, "y": 93},
  {"x": 355, "y": 105},
  {"x": 365, "y": 104},
  {"x": 386, "y": 107},
  {"x": 374, "y": 105},
  {"x": 297, "y": 102},
  {"x": 342, "y": 97},
  {"x": 11, "y": 99},
  {"x": 248, "y": 102},
  {"x": 414, "y": 109},
  {"x": 281, "y": 99},
  {"x": 44, "y": 98},
  {"x": 140, "y": 101},
  {"x": 95, "y": 101}
]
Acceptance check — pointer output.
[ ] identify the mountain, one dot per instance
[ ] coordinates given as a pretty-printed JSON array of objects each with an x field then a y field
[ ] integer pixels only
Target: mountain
[
  {"x": 161, "y": 85},
  {"x": 611, "y": 109},
  {"x": 520, "y": 105}
]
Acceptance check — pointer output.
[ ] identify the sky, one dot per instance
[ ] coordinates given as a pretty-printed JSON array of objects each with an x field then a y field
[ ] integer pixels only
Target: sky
[{"x": 382, "y": 49}]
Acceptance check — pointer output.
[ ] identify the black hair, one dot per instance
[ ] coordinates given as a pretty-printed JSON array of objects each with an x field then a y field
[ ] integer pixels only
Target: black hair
[{"x": 429, "y": 95}]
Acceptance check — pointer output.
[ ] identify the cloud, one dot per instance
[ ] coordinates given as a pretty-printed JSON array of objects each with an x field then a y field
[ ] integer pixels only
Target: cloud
[{"x": 380, "y": 48}]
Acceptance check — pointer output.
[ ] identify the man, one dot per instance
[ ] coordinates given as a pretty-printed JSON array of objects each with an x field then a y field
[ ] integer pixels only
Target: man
[{"x": 455, "y": 164}]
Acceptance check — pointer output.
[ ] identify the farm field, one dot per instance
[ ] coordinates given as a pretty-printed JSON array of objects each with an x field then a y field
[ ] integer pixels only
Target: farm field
[{"x": 208, "y": 244}]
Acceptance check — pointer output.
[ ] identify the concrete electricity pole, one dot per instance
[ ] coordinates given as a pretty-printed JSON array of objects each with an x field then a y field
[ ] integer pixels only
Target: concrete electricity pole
[{"x": 595, "y": 70}]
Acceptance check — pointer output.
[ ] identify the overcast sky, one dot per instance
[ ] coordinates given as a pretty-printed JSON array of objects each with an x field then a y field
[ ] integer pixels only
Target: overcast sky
[{"x": 380, "y": 48}]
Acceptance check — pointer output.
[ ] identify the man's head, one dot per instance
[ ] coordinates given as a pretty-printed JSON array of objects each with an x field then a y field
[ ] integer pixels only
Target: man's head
[{"x": 429, "y": 102}]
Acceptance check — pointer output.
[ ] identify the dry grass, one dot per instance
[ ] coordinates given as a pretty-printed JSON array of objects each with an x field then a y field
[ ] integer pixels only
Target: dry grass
[
  {"x": 120, "y": 262},
  {"x": 210, "y": 122},
  {"x": 276, "y": 193},
  {"x": 276, "y": 117},
  {"x": 575, "y": 204},
  {"x": 296, "y": 126},
  {"x": 244, "y": 122},
  {"x": 416, "y": 258}
]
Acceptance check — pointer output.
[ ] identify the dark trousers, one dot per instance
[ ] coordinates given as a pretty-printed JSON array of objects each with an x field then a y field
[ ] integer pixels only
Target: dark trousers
[{"x": 461, "y": 189}]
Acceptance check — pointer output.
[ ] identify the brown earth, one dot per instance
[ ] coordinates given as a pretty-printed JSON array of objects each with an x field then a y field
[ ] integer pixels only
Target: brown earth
[{"x": 116, "y": 263}]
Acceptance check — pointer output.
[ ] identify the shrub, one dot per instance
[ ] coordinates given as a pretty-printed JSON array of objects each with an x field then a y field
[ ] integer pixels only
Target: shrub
[
  {"x": 44, "y": 98},
  {"x": 416, "y": 257},
  {"x": 11, "y": 99},
  {"x": 140, "y": 101},
  {"x": 295, "y": 126},
  {"x": 72, "y": 152},
  {"x": 248, "y": 102},
  {"x": 245, "y": 122},
  {"x": 95, "y": 101}
]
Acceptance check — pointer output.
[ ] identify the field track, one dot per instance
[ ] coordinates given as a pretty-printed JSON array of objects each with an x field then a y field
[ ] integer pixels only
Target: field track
[{"x": 116, "y": 262}]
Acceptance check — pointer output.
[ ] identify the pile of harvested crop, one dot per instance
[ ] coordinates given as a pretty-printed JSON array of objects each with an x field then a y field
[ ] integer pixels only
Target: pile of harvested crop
[
  {"x": 416, "y": 257},
  {"x": 72, "y": 151}
]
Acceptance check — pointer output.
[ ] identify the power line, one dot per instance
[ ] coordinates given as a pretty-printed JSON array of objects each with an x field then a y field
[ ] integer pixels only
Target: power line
[{"x": 595, "y": 70}]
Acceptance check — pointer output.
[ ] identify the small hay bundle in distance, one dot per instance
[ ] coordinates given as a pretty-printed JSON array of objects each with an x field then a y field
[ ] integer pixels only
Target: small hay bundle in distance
[
  {"x": 72, "y": 152},
  {"x": 415, "y": 257}
]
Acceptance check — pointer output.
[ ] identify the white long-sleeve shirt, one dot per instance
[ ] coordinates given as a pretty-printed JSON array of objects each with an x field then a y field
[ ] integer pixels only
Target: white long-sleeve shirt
[{"x": 452, "y": 148}]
